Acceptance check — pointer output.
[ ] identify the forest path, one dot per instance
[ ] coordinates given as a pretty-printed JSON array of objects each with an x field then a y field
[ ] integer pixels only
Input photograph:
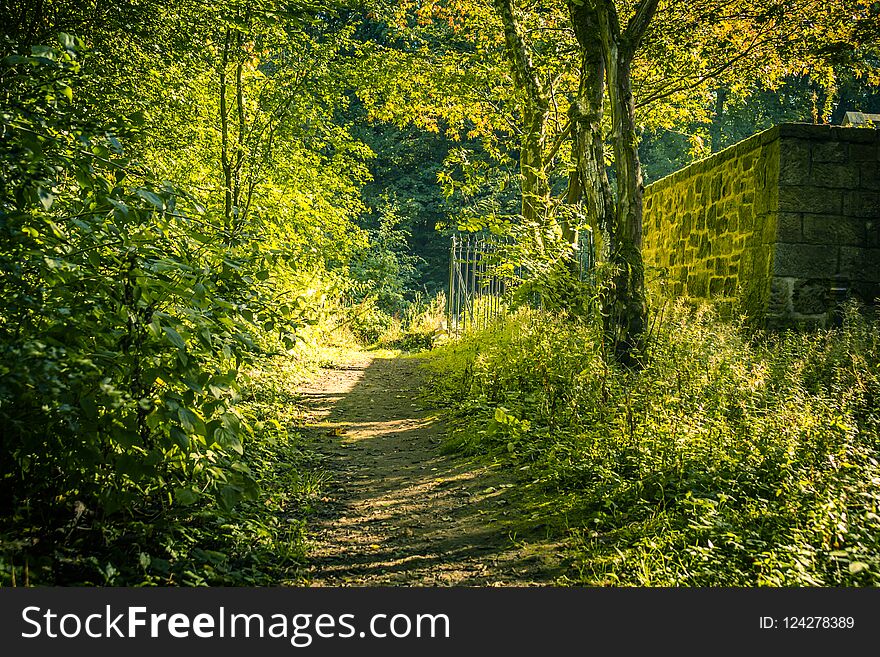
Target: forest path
[{"x": 397, "y": 511}]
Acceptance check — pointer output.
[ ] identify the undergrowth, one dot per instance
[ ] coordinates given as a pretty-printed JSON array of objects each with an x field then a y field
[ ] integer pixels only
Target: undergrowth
[
  {"x": 734, "y": 458},
  {"x": 259, "y": 542}
]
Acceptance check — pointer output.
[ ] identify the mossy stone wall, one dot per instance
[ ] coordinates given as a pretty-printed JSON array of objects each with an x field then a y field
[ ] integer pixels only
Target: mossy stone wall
[{"x": 780, "y": 226}]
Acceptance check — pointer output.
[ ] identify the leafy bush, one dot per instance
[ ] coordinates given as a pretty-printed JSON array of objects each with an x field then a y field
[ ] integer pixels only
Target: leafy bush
[
  {"x": 127, "y": 311},
  {"x": 733, "y": 458},
  {"x": 367, "y": 322},
  {"x": 423, "y": 323}
]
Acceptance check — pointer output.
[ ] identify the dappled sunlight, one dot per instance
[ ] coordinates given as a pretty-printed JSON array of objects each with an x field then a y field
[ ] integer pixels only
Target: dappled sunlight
[{"x": 396, "y": 510}]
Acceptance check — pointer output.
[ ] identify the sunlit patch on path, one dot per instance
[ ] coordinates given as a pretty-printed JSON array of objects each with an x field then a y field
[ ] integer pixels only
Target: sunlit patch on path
[{"x": 396, "y": 510}]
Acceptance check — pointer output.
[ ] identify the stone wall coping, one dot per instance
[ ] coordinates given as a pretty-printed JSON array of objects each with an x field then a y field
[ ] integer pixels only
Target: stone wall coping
[{"x": 806, "y": 131}]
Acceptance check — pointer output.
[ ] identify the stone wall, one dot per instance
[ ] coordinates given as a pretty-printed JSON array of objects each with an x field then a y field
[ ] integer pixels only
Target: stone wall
[{"x": 780, "y": 226}]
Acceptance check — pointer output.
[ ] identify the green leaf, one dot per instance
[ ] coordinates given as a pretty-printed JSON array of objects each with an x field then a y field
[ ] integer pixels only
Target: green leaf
[
  {"x": 151, "y": 198},
  {"x": 121, "y": 207},
  {"x": 857, "y": 566},
  {"x": 185, "y": 496},
  {"x": 229, "y": 496},
  {"x": 174, "y": 337},
  {"x": 180, "y": 438},
  {"x": 46, "y": 198}
]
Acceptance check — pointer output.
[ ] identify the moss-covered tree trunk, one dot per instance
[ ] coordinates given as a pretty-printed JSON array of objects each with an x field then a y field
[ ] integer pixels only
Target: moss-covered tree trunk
[
  {"x": 588, "y": 181},
  {"x": 535, "y": 186},
  {"x": 625, "y": 307}
]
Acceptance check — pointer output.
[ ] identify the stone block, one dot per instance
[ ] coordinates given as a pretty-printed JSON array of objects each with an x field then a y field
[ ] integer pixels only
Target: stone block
[
  {"x": 745, "y": 219},
  {"x": 789, "y": 227},
  {"x": 810, "y": 199},
  {"x": 831, "y": 151},
  {"x": 716, "y": 186},
  {"x": 687, "y": 225},
  {"x": 872, "y": 232},
  {"x": 760, "y": 264},
  {"x": 768, "y": 229},
  {"x": 804, "y": 261},
  {"x": 716, "y": 286},
  {"x": 705, "y": 249},
  {"x": 862, "y": 204},
  {"x": 698, "y": 284},
  {"x": 794, "y": 163},
  {"x": 853, "y": 135},
  {"x": 803, "y": 131},
  {"x": 845, "y": 175},
  {"x": 764, "y": 202},
  {"x": 779, "y": 303},
  {"x": 811, "y": 296},
  {"x": 869, "y": 176},
  {"x": 830, "y": 229},
  {"x": 860, "y": 264},
  {"x": 730, "y": 285},
  {"x": 859, "y": 153},
  {"x": 865, "y": 292}
]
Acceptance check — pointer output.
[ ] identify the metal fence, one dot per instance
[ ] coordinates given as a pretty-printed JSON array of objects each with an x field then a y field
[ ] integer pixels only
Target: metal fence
[
  {"x": 481, "y": 283},
  {"x": 477, "y": 289}
]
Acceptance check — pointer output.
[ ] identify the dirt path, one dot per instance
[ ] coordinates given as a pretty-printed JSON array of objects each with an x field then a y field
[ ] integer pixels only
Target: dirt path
[{"x": 398, "y": 512}]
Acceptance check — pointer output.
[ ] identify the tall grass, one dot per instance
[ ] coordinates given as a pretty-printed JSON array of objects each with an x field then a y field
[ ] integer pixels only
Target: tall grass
[{"x": 734, "y": 458}]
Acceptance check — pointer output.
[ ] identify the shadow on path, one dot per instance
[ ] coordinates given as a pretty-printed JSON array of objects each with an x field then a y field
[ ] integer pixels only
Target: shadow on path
[{"x": 398, "y": 511}]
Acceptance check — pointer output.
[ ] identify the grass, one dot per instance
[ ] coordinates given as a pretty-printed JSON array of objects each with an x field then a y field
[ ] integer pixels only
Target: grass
[{"x": 734, "y": 458}]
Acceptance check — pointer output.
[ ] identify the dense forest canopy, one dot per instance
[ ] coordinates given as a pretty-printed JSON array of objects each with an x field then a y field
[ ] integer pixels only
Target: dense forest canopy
[{"x": 189, "y": 189}]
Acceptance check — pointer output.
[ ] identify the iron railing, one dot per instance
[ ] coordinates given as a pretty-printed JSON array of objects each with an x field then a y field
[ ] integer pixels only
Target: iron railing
[
  {"x": 478, "y": 291},
  {"x": 481, "y": 284}
]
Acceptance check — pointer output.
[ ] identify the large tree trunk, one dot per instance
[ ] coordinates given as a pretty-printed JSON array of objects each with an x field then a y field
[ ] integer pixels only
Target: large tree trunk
[
  {"x": 533, "y": 179},
  {"x": 625, "y": 307},
  {"x": 588, "y": 180},
  {"x": 626, "y": 311}
]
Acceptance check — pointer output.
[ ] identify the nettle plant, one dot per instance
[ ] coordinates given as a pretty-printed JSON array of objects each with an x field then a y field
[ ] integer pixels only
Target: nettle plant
[{"x": 125, "y": 313}]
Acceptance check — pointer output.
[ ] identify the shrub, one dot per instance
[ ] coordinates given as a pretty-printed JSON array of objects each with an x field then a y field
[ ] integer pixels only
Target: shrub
[{"x": 734, "y": 457}]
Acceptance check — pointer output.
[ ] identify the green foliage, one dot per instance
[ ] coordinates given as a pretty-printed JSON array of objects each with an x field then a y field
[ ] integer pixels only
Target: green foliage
[
  {"x": 385, "y": 270},
  {"x": 120, "y": 330},
  {"x": 422, "y": 326},
  {"x": 129, "y": 306},
  {"x": 258, "y": 543},
  {"x": 404, "y": 182},
  {"x": 732, "y": 458}
]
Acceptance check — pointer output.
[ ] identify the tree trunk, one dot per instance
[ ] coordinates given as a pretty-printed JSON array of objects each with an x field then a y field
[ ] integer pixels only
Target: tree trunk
[
  {"x": 626, "y": 311},
  {"x": 625, "y": 308},
  {"x": 588, "y": 179},
  {"x": 224, "y": 133},
  {"x": 535, "y": 187}
]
